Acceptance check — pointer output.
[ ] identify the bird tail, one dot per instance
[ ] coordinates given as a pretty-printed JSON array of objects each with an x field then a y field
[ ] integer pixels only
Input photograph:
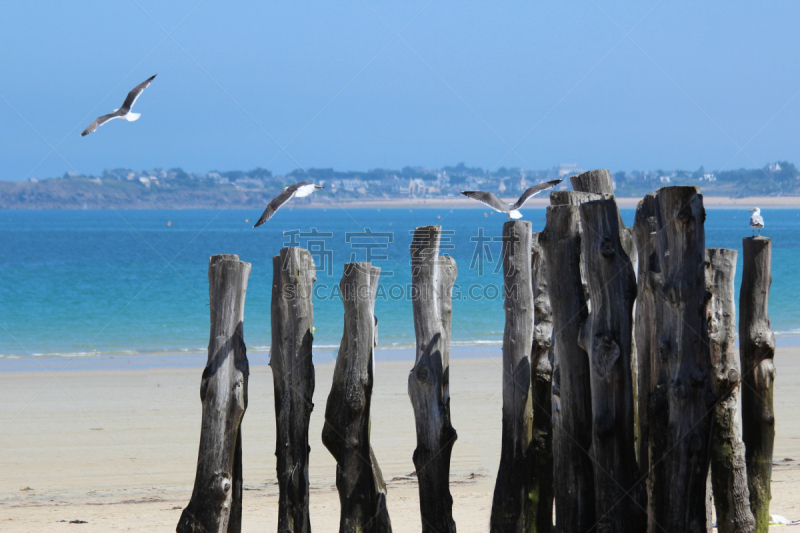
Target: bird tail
[
  {"x": 132, "y": 117},
  {"x": 515, "y": 214}
]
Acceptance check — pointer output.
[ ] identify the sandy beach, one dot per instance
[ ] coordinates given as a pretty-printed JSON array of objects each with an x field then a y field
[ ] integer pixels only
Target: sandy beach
[{"x": 118, "y": 448}]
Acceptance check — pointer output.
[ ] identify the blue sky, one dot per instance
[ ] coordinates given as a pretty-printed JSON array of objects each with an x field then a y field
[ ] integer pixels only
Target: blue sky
[{"x": 365, "y": 84}]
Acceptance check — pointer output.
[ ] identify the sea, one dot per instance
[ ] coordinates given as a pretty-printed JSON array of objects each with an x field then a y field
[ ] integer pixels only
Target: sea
[{"x": 128, "y": 285}]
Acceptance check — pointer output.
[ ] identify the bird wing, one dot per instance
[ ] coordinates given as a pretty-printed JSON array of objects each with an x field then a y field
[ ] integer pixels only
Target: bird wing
[
  {"x": 134, "y": 94},
  {"x": 276, "y": 204},
  {"x": 99, "y": 121},
  {"x": 533, "y": 191},
  {"x": 489, "y": 199}
]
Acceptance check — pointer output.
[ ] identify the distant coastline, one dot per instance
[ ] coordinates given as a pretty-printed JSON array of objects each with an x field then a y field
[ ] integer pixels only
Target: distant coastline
[
  {"x": 220, "y": 201},
  {"x": 776, "y": 185}
]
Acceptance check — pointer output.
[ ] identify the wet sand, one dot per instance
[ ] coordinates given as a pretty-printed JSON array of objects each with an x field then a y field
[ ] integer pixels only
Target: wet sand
[{"x": 118, "y": 448}]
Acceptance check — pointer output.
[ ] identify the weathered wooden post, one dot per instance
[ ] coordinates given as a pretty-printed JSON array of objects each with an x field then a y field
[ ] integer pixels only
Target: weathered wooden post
[
  {"x": 541, "y": 392},
  {"x": 728, "y": 468},
  {"x": 432, "y": 277},
  {"x": 572, "y": 410},
  {"x": 293, "y": 276},
  {"x": 681, "y": 402},
  {"x": 606, "y": 338},
  {"x": 575, "y": 198},
  {"x": 644, "y": 233},
  {"x": 512, "y": 507},
  {"x": 596, "y": 181},
  {"x": 362, "y": 491},
  {"x": 600, "y": 182},
  {"x": 216, "y": 503},
  {"x": 757, "y": 352}
]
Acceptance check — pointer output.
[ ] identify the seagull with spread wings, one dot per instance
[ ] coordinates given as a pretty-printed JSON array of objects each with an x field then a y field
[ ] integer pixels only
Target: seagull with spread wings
[
  {"x": 122, "y": 112},
  {"x": 299, "y": 190},
  {"x": 500, "y": 206}
]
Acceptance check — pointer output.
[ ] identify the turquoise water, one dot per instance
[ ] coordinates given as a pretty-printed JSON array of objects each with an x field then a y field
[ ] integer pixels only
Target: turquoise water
[{"x": 83, "y": 283}]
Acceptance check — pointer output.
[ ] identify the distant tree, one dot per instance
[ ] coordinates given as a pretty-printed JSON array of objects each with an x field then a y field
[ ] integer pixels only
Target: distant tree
[
  {"x": 786, "y": 173},
  {"x": 259, "y": 173},
  {"x": 297, "y": 174},
  {"x": 413, "y": 172},
  {"x": 699, "y": 173},
  {"x": 504, "y": 172},
  {"x": 233, "y": 175},
  {"x": 463, "y": 170}
]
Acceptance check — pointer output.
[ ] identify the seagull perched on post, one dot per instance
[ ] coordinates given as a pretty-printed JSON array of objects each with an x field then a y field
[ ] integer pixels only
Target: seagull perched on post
[
  {"x": 122, "y": 112},
  {"x": 512, "y": 209},
  {"x": 300, "y": 190},
  {"x": 756, "y": 221}
]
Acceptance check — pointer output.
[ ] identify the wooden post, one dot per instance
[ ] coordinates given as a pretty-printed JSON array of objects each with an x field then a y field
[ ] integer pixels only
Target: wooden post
[
  {"x": 681, "y": 403},
  {"x": 541, "y": 392},
  {"x": 596, "y": 181},
  {"x": 432, "y": 277},
  {"x": 606, "y": 337},
  {"x": 362, "y": 491},
  {"x": 644, "y": 233},
  {"x": 572, "y": 409},
  {"x": 293, "y": 276},
  {"x": 572, "y": 197},
  {"x": 600, "y": 182},
  {"x": 216, "y": 503},
  {"x": 757, "y": 352},
  {"x": 512, "y": 507},
  {"x": 728, "y": 467}
]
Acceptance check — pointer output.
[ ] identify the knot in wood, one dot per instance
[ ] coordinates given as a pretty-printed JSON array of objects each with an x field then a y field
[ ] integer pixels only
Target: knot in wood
[
  {"x": 354, "y": 400},
  {"x": 422, "y": 373},
  {"x": 607, "y": 247},
  {"x": 685, "y": 213},
  {"x": 672, "y": 293},
  {"x": 222, "y": 486},
  {"x": 709, "y": 291},
  {"x": 605, "y": 353}
]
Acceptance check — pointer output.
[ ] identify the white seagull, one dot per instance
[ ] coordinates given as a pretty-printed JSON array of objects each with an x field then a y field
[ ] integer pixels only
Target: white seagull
[
  {"x": 756, "y": 221},
  {"x": 512, "y": 209},
  {"x": 122, "y": 112},
  {"x": 300, "y": 190}
]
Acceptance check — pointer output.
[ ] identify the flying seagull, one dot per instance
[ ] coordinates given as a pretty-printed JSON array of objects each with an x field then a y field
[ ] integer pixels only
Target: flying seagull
[
  {"x": 122, "y": 112},
  {"x": 300, "y": 190},
  {"x": 512, "y": 209},
  {"x": 756, "y": 221}
]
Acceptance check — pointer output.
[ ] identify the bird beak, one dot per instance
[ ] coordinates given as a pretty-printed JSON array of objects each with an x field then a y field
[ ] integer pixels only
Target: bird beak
[
  {"x": 751, "y": 210},
  {"x": 318, "y": 187}
]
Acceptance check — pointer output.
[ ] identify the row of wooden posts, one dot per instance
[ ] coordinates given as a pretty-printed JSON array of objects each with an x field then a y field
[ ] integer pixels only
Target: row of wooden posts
[{"x": 625, "y": 405}]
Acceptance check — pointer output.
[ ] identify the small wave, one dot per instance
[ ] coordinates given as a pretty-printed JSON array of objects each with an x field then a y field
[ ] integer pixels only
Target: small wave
[{"x": 473, "y": 343}]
